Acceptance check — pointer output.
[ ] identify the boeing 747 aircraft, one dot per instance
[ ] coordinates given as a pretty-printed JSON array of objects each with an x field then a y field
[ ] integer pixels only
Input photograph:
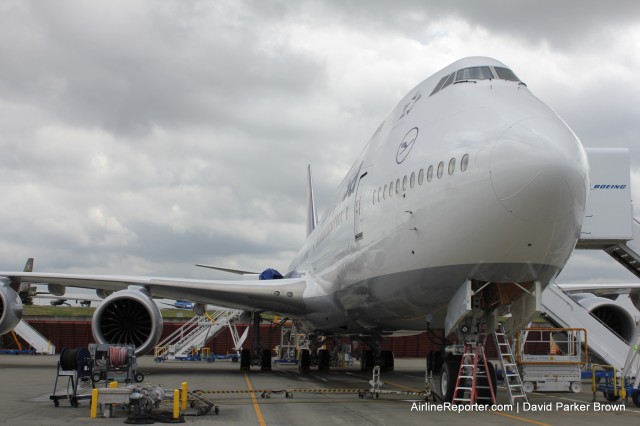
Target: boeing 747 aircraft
[{"x": 466, "y": 202}]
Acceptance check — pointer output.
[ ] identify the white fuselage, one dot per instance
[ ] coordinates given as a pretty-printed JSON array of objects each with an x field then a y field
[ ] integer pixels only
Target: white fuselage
[{"x": 400, "y": 236}]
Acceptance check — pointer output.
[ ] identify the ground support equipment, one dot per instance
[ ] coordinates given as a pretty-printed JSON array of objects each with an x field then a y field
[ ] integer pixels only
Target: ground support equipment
[
  {"x": 114, "y": 362},
  {"x": 474, "y": 384},
  {"x": 512, "y": 379},
  {"x": 613, "y": 385},
  {"x": 551, "y": 359},
  {"x": 75, "y": 364}
]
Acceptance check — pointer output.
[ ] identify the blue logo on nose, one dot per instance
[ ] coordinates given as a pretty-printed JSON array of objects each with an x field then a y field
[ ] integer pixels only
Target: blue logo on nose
[{"x": 405, "y": 146}]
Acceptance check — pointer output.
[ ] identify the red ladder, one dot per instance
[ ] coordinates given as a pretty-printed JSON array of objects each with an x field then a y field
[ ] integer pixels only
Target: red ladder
[{"x": 472, "y": 384}]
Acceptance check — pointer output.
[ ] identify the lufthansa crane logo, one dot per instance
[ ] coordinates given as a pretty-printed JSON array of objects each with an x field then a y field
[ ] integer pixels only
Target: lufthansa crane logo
[{"x": 407, "y": 143}]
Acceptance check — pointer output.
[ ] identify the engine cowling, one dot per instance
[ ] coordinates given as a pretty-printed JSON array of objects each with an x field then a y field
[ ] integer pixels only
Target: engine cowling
[
  {"x": 10, "y": 309},
  {"x": 128, "y": 317},
  {"x": 612, "y": 313}
]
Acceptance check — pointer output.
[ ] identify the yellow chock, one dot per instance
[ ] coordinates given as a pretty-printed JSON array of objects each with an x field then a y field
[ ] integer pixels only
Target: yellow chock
[
  {"x": 113, "y": 384},
  {"x": 184, "y": 388},
  {"x": 94, "y": 403},
  {"x": 176, "y": 404}
]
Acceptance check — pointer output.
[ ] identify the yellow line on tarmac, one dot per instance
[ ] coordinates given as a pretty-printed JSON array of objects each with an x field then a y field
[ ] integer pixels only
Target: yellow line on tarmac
[
  {"x": 522, "y": 419},
  {"x": 494, "y": 412},
  {"x": 254, "y": 401}
]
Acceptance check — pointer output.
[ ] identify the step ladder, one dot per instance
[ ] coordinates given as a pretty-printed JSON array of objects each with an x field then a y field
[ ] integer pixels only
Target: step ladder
[
  {"x": 512, "y": 379},
  {"x": 474, "y": 385}
]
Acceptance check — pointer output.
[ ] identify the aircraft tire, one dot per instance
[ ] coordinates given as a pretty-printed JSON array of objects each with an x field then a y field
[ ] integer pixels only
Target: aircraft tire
[
  {"x": 388, "y": 362},
  {"x": 265, "y": 364},
  {"x": 448, "y": 378},
  {"x": 245, "y": 360},
  {"x": 305, "y": 361},
  {"x": 324, "y": 359}
]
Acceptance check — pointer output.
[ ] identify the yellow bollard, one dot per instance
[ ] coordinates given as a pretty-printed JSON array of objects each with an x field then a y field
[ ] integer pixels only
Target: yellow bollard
[
  {"x": 94, "y": 403},
  {"x": 184, "y": 387},
  {"x": 113, "y": 384},
  {"x": 176, "y": 403}
]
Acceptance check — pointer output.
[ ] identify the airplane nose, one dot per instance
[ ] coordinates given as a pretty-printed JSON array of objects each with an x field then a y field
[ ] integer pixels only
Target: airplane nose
[{"x": 539, "y": 171}]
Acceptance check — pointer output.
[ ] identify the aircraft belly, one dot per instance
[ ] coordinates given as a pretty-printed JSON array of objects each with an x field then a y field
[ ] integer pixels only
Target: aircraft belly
[{"x": 401, "y": 301}]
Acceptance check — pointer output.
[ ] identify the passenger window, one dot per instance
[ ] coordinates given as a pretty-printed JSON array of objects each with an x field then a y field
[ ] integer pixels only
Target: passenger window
[
  {"x": 390, "y": 189},
  {"x": 379, "y": 195},
  {"x": 398, "y": 186},
  {"x": 374, "y": 196},
  {"x": 412, "y": 180},
  {"x": 464, "y": 163},
  {"x": 430, "y": 174},
  {"x": 452, "y": 166},
  {"x": 404, "y": 183},
  {"x": 440, "y": 169},
  {"x": 420, "y": 176},
  {"x": 384, "y": 194}
]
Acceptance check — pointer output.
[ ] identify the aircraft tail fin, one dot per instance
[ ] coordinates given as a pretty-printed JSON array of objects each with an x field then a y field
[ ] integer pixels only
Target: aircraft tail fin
[
  {"x": 28, "y": 267},
  {"x": 312, "y": 217}
]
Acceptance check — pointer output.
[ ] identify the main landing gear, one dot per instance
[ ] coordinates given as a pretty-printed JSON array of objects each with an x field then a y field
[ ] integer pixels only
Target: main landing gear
[
  {"x": 255, "y": 356},
  {"x": 376, "y": 356}
]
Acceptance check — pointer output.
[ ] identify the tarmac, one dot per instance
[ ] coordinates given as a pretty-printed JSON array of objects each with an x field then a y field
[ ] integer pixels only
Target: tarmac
[{"x": 315, "y": 398}]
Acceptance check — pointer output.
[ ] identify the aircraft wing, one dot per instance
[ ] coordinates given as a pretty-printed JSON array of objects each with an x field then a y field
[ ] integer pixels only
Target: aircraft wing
[
  {"x": 283, "y": 295},
  {"x": 602, "y": 289}
]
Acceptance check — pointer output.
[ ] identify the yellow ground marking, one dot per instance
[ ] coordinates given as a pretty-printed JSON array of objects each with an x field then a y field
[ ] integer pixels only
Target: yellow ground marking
[
  {"x": 254, "y": 401},
  {"x": 494, "y": 412}
]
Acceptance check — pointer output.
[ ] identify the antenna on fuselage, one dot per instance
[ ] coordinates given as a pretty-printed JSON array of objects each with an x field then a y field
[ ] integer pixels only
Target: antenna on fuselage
[{"x": 312, "y": 217}]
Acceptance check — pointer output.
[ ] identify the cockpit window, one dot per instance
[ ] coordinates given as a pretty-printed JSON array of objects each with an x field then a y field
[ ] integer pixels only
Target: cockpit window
[
  {"x": 506, "y": 74},
  {"x": 439, "y": 85},
  {"x": 474, "y": 73},
  {"x": 448, "y": 82}
]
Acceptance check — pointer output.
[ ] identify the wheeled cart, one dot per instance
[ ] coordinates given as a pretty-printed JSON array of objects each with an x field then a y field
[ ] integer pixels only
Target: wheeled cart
[
  {"x": 115, "y": 363},
  {"x": 75, "y": 364}
]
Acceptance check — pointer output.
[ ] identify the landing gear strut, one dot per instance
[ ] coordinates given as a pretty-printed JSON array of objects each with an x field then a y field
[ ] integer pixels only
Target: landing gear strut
[
  {"x": 376, "y": 356},
  {"x": 256, "y": 356}
]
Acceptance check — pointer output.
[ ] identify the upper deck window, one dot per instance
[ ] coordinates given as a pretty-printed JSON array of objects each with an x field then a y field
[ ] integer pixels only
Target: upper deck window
[
  {"x": 506, "y": 74},
  {"x": 474, "y": 73}
]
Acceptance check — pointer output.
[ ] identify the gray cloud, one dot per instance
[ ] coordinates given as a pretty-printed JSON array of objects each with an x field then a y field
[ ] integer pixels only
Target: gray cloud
[{"x": 143, "y": 137}]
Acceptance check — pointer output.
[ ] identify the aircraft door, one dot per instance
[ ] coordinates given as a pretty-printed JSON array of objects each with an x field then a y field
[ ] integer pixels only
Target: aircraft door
[{"x": 359, "y": 207}]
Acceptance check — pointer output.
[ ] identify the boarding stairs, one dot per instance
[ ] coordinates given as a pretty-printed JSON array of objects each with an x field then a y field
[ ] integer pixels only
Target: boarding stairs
[
  {"x": 37, "y": 341},
  {"x": 510, "y": 372},
  {"x": 195, "y": 333},
  {"x": 474, "y": 383},
  {"x": 625, "y": 252},
  {"x": 565, "y": 312}
]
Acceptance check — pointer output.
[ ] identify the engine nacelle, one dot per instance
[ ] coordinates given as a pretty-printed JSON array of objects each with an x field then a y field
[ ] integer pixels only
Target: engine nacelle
[
  {"x": 57, "y": 289},
  {"x": 612, "y": 313},
  {"x": 10, "y": 309},
  {"x": 103, "y": 294},
  {"x": 128, "y": 317}
]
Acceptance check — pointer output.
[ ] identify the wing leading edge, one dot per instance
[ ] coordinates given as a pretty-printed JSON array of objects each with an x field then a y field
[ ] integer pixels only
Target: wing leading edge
[{"x": 284, "y": 295}]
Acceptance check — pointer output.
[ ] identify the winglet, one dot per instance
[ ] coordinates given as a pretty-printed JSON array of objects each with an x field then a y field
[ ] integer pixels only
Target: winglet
[{"x": 312, "y": 217}]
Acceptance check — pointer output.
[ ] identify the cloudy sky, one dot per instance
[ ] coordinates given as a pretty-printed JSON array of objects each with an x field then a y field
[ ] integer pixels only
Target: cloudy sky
[{"x": 143, "y": 137}]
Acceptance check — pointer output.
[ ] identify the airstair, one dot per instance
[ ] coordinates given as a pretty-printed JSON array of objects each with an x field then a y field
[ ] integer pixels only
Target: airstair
[
  {"x": 37, "y": 341},
  {"x": 195, "y": 333},
  {"x": 512, "y": 379},
  {"x": 567, "y": 313}
]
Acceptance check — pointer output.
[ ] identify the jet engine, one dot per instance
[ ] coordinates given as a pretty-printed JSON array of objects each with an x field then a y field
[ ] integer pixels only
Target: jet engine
[
  {"x": 10, "y": 309},
  {"x": 612, "y": 313},
  {"x": 128, "y": 317}
]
